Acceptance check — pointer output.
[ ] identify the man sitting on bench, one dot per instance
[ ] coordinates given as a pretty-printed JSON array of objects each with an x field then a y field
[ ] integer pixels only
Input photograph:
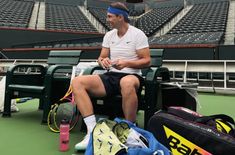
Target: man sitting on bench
[{"x": 125, "y": 50}]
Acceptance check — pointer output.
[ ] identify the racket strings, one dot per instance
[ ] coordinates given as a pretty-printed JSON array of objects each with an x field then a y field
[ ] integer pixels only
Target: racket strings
[{"x": 54, "y": 116}]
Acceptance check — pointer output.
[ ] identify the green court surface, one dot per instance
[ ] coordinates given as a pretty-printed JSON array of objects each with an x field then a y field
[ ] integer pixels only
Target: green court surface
[
  {"x": 22, "y": 134},
  {"x": 216, "y": 104}
]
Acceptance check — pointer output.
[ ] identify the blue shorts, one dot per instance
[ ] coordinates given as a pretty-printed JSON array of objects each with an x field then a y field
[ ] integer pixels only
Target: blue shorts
[{"x": 111, "y": 81}]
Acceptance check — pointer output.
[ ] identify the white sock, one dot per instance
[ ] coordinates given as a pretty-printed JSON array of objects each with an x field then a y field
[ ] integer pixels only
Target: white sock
[{"x": 90, "y": 122}]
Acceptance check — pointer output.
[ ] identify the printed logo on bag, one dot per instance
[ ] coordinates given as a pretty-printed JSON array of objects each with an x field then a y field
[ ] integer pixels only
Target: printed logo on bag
[
  {"x": 181, "y": 146},
  {"x": 105, "y": 141},
  {"x": 222, "y": 127}
]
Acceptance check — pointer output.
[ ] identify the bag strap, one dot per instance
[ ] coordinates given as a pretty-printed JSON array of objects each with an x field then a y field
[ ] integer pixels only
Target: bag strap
[
  {"x": 221, "y": 122},
  {"x": 226, "y": 123},
  {"x": 183, "y": 112},
  {"x": 205, "y": 119}
]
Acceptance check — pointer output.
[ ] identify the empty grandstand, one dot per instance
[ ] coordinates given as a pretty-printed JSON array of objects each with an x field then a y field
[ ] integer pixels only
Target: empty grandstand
[
  {"x": 204, "y": 23},
  {"x": 186, "y": 29}
]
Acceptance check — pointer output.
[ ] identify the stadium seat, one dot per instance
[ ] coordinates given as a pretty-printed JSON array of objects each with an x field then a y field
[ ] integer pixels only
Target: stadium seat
[
  {"x": 48, "y": 83},
  {"x": 148, "y": 100}
]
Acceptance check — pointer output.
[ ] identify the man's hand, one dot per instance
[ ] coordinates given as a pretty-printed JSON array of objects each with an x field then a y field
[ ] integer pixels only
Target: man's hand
[
  {"x": 105, "y": 63},
  {"x": 119, "y": 64}
]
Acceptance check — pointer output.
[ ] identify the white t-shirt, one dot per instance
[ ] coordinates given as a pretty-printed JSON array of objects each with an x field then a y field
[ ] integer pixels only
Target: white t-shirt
[{"x": 125, "y": 47}]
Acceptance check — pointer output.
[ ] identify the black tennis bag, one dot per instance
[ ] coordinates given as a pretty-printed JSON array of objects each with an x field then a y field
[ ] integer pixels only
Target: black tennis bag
[{"x": 186, "y": 132}]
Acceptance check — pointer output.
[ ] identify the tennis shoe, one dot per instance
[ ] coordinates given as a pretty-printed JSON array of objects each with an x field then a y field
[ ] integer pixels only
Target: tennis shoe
[{"x": 83, "y": 144}]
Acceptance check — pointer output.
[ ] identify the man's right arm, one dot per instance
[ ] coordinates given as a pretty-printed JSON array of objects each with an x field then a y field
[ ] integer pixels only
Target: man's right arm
[{"x": 103, "y": 59}]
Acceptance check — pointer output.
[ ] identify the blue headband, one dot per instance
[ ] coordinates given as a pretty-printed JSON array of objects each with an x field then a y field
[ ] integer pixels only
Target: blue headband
[{"x": 118, "y": 12}]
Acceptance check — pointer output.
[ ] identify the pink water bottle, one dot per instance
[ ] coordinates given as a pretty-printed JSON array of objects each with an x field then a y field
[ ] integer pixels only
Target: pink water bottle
[{"x": 64, "y": 135}]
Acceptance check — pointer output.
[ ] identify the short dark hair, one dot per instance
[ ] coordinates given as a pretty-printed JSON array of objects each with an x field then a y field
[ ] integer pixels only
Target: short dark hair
[{"x": 121, "y": 6}]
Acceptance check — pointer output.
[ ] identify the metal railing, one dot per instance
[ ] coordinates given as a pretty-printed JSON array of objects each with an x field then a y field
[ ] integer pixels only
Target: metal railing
[
  {"x": 209, "y": 74},
  {"x": 6, "y": 63}
]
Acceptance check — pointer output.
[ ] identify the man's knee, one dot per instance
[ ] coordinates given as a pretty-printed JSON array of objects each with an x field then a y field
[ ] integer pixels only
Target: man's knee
[
  {"x": 92, "y": 84},
  {"x": 129, "y": 82},
  {"x": 77, "y": 83},
  {"x": 129, "y": 85}
]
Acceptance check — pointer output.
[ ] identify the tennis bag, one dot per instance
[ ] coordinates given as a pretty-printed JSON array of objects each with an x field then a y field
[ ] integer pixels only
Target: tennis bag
[
  {"x": 186, "y": 132},
  {"x": 121, "y": 137}
]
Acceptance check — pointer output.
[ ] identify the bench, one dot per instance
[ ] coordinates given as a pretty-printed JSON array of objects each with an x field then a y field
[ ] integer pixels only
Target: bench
[
  {"x": 47, "y": 82},
  {"x": 153, "y": 75}
]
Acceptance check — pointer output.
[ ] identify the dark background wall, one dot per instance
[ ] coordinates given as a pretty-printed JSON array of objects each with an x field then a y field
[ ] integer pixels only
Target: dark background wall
[
  {"x": 226, "y": 52},
  {"x": 43, "y": 54},
  {"x": 190, "y": 54},
  {"x": 14, "y": 37},
  {"x": 66, "y": 2},
  {"x": 217, "y": 53}
]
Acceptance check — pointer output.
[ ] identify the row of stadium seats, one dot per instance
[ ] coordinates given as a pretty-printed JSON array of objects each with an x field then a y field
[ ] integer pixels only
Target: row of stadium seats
[
  {"x": 100, "y": 14},
  {"x": 135, "y": 12},
  {"x": 156, "y": 18},
  {"x": 188, "y": 38},
  {"x": 61, "y": 17},
  {"x": 169, "y": 39},
  {"x": 15, "y": 13}
]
